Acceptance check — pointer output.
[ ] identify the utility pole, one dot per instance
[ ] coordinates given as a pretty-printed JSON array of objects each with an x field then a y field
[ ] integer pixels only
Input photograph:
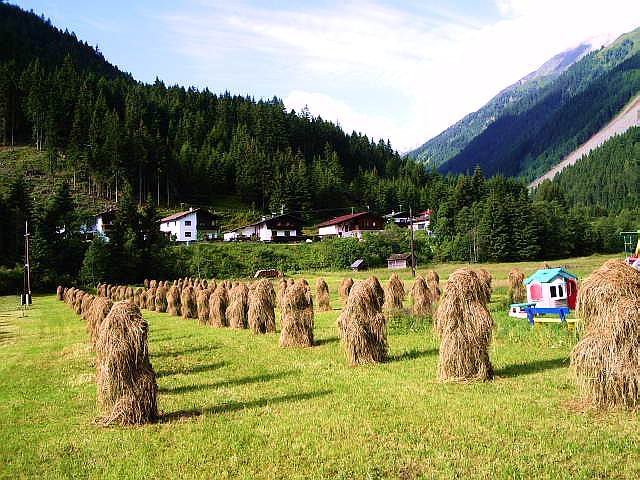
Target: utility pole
[
  {"x": 413, "y": 255},
  {"x": 25, "y": 299}
]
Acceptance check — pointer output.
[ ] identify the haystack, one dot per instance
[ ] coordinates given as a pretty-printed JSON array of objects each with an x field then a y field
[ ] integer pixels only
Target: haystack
[
  {"x": 202, "y": 305},
  {"x": 218, "y": 301},
  {"x": 464, "y": 325},
  {"x": 363, "y": 327},
  {"x": 77, "y": 302},
  {"x": 517, "y": 292},
  {"x": 238, "y": 305},
  {"x": 433, "y": 282},
  {"x": 282, "y": 290},
  {"x": 421, "y": 298},
  {"x": 153, "y": 284},
  {"x": 345, "y": 288},
  {"x": 146, "y": 283},
  {"x": 127, "y": 388},
  {"x": 486, "y": 279},
  {"x": 323, "y": 300},
  {"x": 161, "y": 299},
  {"x": 394, "y": 294},
  {"x": 173, "y": 301},
  {"x": 297, "y": 317},
  {"x": 60, "y": 293},
  {"x": 606, "y": 361},
  {"x": 261, "y": 315},
  {"x": 378, "y": 289},
  {"x": 188, "y": 306},
  {"x": 99, "y": 310},
  {"x": 85, "y": 305}
]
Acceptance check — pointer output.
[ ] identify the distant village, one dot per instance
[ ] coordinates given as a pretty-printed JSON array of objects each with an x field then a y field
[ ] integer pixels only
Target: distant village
[{"x": 201, "y": 224}]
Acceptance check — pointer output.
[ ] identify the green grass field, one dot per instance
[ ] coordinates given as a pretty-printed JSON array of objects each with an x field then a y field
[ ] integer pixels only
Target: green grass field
[{"x": 235, "y": 405}]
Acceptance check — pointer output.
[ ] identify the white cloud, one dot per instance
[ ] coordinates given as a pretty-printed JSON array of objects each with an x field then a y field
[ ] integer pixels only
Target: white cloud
[{"x": 424, "y": 71}]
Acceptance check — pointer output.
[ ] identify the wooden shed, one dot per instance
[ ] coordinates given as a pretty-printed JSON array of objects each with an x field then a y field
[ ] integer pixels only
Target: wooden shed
[{"x": 401, "y": 260}]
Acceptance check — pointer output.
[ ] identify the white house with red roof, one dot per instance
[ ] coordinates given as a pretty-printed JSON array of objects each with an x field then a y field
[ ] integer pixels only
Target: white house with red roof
[
  {"x": 185, "y": 226},
  {"x": 351, "y": 225},
  {"x": 422, "y": 221}
]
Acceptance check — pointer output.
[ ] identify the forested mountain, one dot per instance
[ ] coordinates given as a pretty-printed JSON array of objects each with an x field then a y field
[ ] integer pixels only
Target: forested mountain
[
  {"x": 607, "y": 178},
  {"x": 562, "y": 115},
  {"x": 514, "y": 99}
]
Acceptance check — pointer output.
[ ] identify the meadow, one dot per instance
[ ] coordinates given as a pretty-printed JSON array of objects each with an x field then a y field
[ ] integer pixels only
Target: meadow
[{"x": 235, "y": 405}]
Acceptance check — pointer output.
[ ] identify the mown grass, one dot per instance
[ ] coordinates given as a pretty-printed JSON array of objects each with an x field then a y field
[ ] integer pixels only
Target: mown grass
[{"x": 236, "y": 405}]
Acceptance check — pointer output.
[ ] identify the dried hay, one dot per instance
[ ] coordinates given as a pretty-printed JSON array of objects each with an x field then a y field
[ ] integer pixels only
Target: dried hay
[
  {"x": 323, "y": 300},
  {"x": 127, "y": 388},
  {"x": 237, "y": 308},
  {"x": 262, "y": 301},
  {"x": 394, "y": 294},
  {"x": 517, "y": 292},
  {"x": 188, "y": 306},
  {"x": 297, "y": 317},
  {"x": 202, "y": 305},
  {"x": 60, "y": 293},
  {"x": 218, "y": 306},
  {"x": 464, "y": 325},
  {"x": 421, "y": 298},
  {"x": 85, "y": 305},
  {"x": 146, "y": 283},
  {"x": 153, "y": 284},
  {"x": 161, "y": 298},
  {"x": 99, "y": 310},
  {"x": 173, "y": 301},
  {"x": 485, "y": 278},
  {"x": 433, "y": 282},
  {"x": 378, "y": 289},
  {"x": 345, "y": 288},
  {"x": 606, "y": 361},
  {"x": 363, "y": 327}
]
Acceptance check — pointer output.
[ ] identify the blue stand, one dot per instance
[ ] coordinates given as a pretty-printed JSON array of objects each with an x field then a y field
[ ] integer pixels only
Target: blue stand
[{"x": 532, "y": 311}]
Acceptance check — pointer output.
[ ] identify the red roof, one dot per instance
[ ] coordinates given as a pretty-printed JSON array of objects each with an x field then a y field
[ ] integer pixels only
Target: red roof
[
  {"x": 342, "y": 219},
  {"x": 176, "y": 216}
]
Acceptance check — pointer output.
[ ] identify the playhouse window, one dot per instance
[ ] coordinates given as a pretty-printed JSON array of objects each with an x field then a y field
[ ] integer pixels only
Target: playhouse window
[
  {"x": 560, "y": 291},
  {"x": 553, "y": 291},
  {"x": 187, "y": 234}
]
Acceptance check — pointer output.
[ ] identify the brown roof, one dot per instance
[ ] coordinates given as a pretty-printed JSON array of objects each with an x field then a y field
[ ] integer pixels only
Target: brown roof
[
  {"x": 342, "y": 219},
  {"x": 177, "y": 215},
  {"x": 399, "y": 256}
]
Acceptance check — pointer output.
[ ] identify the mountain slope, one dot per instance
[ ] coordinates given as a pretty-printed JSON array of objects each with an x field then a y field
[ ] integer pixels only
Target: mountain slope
[
  {"x": 627, "y": 118},
  {"x": 572, "y": 108},
  {"x": 513, "y": 99}
]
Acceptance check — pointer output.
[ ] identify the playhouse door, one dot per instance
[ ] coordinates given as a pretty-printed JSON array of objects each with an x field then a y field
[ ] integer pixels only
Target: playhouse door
[{"x": 572, "y": 293}]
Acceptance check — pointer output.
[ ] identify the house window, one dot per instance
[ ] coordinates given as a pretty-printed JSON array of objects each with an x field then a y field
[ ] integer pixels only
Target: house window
[
  {"x": 560, "y": 293},
  {"x": 187, "y": 234},
  {"x": 553, "y": 291},
  {"x": 187, "y": 223},
  {"x": 287, "y": 233}
]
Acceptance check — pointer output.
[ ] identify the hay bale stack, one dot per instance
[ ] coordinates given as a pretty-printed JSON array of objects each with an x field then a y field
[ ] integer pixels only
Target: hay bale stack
[
  {"x": 151, "y": 298},
  {"x": 99, "y": 310},
  {"x": 378, "y": 289},
  {"x": 261, "y": 315},
  {"x": 188, "y": 305},
  {"x": 297, "y": 317},
  {"x": 421, "y": 298},
  {"x": 127, "y": 388},
  {"x": 85, "y": 305},
  {"x": 464, "y": 325},
  {"x": 153, "y": 284},
  {"x": 486, "y": 279},
  {"x": 173, "y": 301},
  {"x": 137, "y": 300},
  {"x": 77, "y": 302},
  {"x": 282, "y": 289},
  {"x": 517, "y": 292},
  {"x": 60, "y": 293},
  {"x": 128, "y": 293},
  {"x": 345, "y": 288},
  {"x": 433, "y": 282},
  {"x": 323, "y": 300},
  {"x": 161, "y": 299},
  {"x": 606, "y": 361},
  {"x": 146, "y": 283},
  {"x": 202, "y": 305},
  {"x": 363, "y": 327},
  {"x": 237, "y": 308},
  {"x": 394, "y": 294},
  {"x": 218, "y": 301},
  {"x": 67, "y": 295}
]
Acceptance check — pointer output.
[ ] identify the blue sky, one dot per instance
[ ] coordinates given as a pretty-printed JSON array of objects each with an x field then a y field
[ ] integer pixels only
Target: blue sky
[{"x": 402, "y": 70}]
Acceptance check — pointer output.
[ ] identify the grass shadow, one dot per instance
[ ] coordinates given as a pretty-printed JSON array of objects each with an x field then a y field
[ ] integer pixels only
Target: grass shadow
[
  {"x": 235, "y": 406},
  {"x": 168, "y": 338},
  {"x": 413, "y": 354},
  {"x": 225, "y": 383},
  {"x": 528, "y": 368},
  {"x": 187, "y": 351},
  {"x": 325, "y": 341},
  {"x": 191, "y": 369}
]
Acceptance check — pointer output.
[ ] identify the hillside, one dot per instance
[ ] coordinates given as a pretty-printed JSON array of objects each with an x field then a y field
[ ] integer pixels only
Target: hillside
[
  {"x": 627, "y": 118},
  {"x": 568, "y": 111},
  {"x": 513, "y": 99},
  {"x": 606, "y": 178}
]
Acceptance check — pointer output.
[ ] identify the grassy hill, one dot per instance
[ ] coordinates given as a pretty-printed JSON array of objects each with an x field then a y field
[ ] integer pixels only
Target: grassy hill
[{"x": 235, "y": 405}]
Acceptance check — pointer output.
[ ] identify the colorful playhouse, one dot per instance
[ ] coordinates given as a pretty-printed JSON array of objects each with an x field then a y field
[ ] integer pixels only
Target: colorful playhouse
[{"x": 549, "y": 291}]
